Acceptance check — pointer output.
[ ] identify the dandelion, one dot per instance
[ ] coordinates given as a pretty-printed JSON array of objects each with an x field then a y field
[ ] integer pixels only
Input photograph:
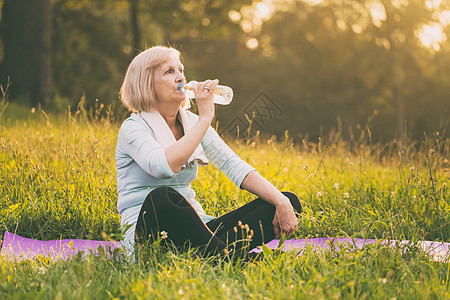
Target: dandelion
[
  {"x": 164, "y": 235},
  {"x": 336, "y": 185},
  {"x": 346, "y": 195},
  {"x": 382, "y": 280}
]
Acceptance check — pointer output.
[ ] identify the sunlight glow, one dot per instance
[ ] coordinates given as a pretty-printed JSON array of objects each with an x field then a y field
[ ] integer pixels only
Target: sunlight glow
[
  {"x": 263, "y": 11},
  {"x": 377, "y": 12},
  {"x": 399, "y": 3},
  {"x": 444, "y": 18},
  {"x": 246, "y": 26},
  {"x": 313, "y": 2},
  {"x": 431, "y": 35},
  {"x": 357, "y": 28},
  {"x": 433, "y": 4},
  {"x": 252, "y": 44},
  {"x": 234, "y": 16},
  {"x": 251, "y": 17}
]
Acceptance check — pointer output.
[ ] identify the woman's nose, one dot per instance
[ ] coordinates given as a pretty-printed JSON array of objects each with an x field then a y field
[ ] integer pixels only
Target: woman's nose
[{"x": 180, "y": 77}]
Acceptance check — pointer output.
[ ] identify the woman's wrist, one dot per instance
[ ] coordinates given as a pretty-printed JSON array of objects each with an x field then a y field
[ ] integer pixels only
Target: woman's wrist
[
  {"x": 205, "y": 119},
  {"x": 282, "y": 202}
]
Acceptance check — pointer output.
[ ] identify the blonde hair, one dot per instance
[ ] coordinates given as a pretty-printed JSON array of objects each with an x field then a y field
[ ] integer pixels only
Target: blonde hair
[{"x": 138, "y": 88}]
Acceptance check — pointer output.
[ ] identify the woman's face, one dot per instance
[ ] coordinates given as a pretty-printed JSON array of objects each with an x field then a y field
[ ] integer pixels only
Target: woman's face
[{"x": 167, "y": 78}]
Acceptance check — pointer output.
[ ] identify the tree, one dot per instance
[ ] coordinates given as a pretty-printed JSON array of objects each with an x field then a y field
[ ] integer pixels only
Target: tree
[{"x": 26, "y": 36}]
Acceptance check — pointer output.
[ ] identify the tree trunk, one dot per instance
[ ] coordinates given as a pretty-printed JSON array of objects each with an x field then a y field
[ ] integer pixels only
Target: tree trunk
[
  {"x": 135, "y": 26},
  {"x": 26, "y": 35}
]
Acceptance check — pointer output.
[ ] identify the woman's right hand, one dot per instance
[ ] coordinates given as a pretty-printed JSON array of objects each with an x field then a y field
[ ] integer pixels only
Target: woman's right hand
[{"x": 204, "y": 95}]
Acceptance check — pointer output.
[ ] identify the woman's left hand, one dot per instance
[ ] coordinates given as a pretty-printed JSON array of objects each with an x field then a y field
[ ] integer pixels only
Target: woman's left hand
[{"x": 285, "y": 221}]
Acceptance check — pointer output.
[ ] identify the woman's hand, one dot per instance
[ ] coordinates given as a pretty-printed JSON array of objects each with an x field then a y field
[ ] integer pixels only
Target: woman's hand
[
  {"x": 178, "y": 153},
  {"x": 285, "y": 221},
  {"x": 204, "y": 95}
]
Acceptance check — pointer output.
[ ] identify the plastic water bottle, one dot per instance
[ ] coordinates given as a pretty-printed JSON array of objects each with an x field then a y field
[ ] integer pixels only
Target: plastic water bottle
[{"x": 222, "y": 95}]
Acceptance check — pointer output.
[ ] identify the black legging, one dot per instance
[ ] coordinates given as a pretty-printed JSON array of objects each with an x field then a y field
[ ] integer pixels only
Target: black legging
[{"x": 166, "y": 210}]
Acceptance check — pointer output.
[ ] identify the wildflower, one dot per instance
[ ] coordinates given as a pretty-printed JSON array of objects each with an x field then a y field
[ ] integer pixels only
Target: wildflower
[
  {"x": 346, "y": 195},
  {"x": 223, "y": 285},
  {"x": 319, "y": 194},
  {"x": 336, "y": 185},
  {"x": 164, "y": 235},
  {"x": 180, "y": 292},
  {"x": 382, "y": 280}
]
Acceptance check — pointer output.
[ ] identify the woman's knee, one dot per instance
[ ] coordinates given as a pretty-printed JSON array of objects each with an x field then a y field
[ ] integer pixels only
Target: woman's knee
[
  {"x": 168, "y": 195},
  {"x": 294, "y": 200}
]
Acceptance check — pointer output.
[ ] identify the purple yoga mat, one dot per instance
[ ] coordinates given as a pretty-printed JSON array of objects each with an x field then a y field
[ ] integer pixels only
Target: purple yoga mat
[
  {"x": 438, "y": 251},
  {"x": 20, "y": 248}
]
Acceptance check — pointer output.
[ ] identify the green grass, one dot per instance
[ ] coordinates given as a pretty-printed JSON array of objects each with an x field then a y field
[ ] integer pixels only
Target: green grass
[{"x": 57, "y": 180}]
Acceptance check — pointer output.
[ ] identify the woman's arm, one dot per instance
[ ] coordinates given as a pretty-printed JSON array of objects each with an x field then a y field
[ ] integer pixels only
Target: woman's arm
[
  {"x": 285, "y": 220},
  {"x": 178, "y": 153}
]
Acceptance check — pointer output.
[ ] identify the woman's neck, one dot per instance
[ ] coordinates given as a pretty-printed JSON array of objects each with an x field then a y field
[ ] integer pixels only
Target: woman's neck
[{"x": 170, "y": 116}]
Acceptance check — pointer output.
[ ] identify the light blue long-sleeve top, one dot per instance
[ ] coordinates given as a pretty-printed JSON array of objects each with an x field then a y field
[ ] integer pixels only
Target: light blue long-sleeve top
[{"x": 142, "y": 166}]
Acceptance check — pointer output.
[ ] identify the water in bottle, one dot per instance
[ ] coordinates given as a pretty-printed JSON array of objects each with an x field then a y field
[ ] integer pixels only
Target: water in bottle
[{"x": 222, "y": 95}]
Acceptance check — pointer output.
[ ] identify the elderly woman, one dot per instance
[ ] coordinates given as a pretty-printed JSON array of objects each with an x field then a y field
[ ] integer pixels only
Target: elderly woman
[{"x": 159, "y": 149}]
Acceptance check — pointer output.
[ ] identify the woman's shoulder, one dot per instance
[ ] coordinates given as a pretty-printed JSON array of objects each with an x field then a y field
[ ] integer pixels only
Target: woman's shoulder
[{"x": 134, "y": 122}]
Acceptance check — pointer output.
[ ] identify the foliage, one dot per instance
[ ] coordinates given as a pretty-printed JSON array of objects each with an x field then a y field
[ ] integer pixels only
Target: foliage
[
  {"x": 58, "y": 181},
  {"x": 325, "y": 63}
]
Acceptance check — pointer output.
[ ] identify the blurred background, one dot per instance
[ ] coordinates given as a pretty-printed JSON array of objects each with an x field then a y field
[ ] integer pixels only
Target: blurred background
[{"x": 306, "y": 66}]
